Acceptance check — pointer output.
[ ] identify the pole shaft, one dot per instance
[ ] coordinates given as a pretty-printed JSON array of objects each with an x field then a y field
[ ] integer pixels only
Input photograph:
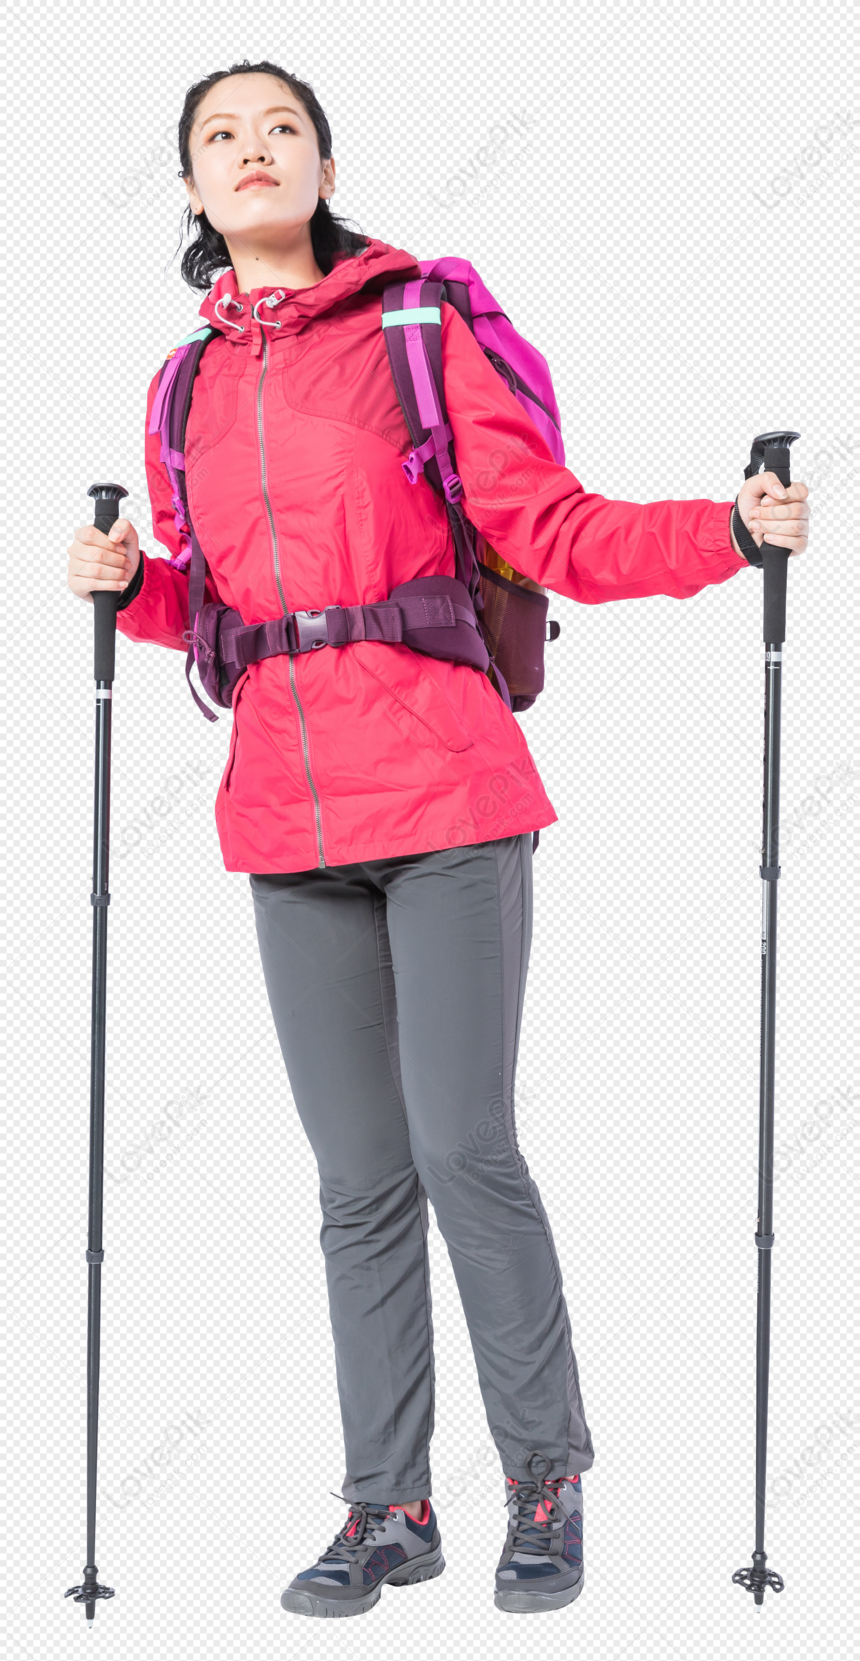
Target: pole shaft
[
  {"x": 101, "y": 842},
  {"x": 777, "y": 461}
]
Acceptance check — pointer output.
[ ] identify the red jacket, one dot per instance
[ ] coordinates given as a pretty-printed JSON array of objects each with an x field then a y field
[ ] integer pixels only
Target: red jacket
[{"x": 293, "y": 465}]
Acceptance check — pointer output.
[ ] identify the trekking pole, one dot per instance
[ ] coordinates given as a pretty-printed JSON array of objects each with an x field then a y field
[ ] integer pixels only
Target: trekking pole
[
  {"x": 104, "y": 608},
  {"x": 773, "y": 450}
]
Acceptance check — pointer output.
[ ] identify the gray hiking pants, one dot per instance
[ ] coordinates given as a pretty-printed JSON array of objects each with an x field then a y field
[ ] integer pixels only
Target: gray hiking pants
[{"x": 396, "y": 987}]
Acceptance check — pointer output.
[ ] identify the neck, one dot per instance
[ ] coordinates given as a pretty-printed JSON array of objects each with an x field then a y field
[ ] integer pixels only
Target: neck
[{"x": 263, "y": 266}]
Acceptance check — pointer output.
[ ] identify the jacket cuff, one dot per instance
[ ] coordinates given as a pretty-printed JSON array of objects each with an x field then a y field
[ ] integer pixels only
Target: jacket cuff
[{"x": 134, "y": 587}]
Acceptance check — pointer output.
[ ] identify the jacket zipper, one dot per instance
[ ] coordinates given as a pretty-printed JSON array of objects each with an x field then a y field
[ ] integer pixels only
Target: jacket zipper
[{"x": 274, "y": 544}]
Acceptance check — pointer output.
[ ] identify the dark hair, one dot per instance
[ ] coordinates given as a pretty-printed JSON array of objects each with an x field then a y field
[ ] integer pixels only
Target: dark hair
[{"x": 209, "y": 254}]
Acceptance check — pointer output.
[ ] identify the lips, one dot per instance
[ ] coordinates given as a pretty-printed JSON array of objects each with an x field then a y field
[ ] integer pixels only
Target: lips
[{"x": 258, "y": 179}]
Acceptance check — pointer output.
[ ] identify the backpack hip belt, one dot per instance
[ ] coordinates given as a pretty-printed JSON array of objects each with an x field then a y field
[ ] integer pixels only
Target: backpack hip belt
[{"x": 431, "y": 614}]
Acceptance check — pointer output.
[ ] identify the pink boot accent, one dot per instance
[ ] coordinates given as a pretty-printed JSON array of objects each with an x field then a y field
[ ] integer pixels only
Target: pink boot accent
[{"x": 540, "y": 1514}]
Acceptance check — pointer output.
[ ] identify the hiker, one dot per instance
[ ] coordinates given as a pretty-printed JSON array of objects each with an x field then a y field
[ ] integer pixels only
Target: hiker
[{"x": 384, "y": 803}]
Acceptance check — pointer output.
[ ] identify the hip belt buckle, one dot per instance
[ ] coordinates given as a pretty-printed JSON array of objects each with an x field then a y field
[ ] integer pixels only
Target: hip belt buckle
[{"x": 310, "y": 629}]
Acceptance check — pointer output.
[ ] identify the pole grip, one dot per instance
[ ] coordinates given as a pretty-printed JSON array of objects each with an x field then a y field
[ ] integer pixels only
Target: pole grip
[
  {"x": 777, "y": 459},
  {"x": 105, "y": 600}
]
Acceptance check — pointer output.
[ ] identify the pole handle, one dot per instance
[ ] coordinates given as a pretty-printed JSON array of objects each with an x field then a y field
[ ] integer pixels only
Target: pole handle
[
  {"x": 771, "y": 451},
  {"x": 105, "y": 600}
]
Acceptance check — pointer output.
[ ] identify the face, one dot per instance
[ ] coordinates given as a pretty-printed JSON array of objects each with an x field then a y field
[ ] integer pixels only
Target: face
[{"x": 247, "y": 125}]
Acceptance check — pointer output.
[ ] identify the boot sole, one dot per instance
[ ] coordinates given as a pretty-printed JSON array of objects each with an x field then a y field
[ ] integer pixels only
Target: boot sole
[
  {"x": 405, "y": 1574},
  {"x": 520, "y": 1602}
]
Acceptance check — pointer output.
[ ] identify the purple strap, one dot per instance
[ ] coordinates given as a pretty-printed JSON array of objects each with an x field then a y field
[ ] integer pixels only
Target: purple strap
[
  {"x": 417, "y": 370},
  {"x": 431, "y": 614},
  {"x": 160, "y": 422},
  {"x": 196, "y": 595},
  {"x": 414, "y": 463},
  {"x": 387, "y": 620},
  {"x": 425, "y": 392},
  {"x": 168, "y": 376},
  {"x": 171, "y": 400}
]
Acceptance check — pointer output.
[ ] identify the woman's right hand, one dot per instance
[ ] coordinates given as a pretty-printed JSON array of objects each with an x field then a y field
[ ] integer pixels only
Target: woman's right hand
[{"x": 98, "y": 561}]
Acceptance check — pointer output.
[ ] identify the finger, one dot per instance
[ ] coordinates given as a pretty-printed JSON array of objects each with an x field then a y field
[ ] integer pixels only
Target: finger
[
  {"x": 85, "y": 585},
  {"x": 797, "y": 488},
  {"x": 795, "y": 544},
  {"x": 92, "y": 538},
  {"x": 793, "y": 529},
  {"x": 100, "y": 582},
  {"x": 781, "y": 510},
  {"x": 101, "y": 563},
  {"x": 795, "y": 492},
  {"x": 781, "y": 516},
  {"x": 783, "y": 535}
]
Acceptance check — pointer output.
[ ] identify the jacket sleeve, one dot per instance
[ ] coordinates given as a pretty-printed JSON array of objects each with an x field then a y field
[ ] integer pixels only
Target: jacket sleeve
[
  {"x": 535, "y": 513},
  {"x": 154, "y": 607}
]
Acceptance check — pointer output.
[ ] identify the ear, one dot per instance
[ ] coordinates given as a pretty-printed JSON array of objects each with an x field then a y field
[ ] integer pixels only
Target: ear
[{"x": 193, "y": 198}]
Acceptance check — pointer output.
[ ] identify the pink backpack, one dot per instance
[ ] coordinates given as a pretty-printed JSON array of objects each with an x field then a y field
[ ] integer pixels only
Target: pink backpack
[{"x": 512, "y": 609}]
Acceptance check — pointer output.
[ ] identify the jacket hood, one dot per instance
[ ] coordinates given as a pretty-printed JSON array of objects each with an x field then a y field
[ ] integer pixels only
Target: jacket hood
[{"x": 232, "y": 313}]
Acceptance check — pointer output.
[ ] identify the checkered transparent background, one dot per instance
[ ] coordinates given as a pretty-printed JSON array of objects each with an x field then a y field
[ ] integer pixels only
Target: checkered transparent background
[{"x": 668, "y": 217}]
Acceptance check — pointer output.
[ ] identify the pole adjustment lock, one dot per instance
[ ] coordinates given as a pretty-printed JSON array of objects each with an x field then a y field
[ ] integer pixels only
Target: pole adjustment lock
[
  {"x": 95, "y": 1257},
  {"x": 769, "y": 872},
  {"x": 763, "y": 1241},
  {"x": 99, "y": 899}
]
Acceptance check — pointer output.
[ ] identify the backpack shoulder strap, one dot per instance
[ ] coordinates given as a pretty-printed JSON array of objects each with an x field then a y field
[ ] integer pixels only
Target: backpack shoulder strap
[
  {"x": 169, "y": 418},
  {"x": 412, "y": 321},
  {"x": 412, "y": 325}
]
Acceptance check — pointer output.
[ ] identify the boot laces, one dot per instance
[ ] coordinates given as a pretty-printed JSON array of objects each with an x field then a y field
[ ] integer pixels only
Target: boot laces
[
  {"x": 366, "y": 1517},
  {"x": 527, "y": 1534}
]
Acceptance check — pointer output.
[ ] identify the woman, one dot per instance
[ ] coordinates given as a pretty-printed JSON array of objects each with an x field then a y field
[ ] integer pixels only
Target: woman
[{"x": 383, "y": 804}]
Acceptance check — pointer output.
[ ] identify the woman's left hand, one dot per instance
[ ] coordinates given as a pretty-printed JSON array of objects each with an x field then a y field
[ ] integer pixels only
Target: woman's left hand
[{"x": 774, "y": 514}]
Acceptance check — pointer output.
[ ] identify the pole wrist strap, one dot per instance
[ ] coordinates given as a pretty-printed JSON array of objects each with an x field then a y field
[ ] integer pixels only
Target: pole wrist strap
[{"x": 744, "y": 540}]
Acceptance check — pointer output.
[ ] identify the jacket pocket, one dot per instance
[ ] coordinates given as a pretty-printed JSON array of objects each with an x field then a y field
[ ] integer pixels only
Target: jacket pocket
[
  {"x": 231, "y": 754},
  {"x": 404, "y": 676}
]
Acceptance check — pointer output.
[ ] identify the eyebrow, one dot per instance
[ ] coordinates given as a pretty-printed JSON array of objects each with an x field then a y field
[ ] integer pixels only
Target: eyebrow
[{"x": 278, "y": 110}]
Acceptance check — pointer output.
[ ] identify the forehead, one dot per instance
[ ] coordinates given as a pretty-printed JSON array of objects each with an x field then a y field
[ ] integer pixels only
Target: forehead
[{"x": 243, "y": 94}]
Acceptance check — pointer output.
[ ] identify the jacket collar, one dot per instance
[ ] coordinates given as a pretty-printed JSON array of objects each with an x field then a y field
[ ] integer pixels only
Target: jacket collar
[{"x": 232, "y": 313}]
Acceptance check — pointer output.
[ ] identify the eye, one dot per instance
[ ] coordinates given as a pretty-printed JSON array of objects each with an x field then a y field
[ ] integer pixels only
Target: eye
[{"x": 221, "y": 130}]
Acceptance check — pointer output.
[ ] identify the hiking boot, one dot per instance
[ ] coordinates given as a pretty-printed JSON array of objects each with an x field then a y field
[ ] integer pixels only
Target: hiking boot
[
  {"x": 379, "y": 1545},
  {"x": 541, "y": 1566}
]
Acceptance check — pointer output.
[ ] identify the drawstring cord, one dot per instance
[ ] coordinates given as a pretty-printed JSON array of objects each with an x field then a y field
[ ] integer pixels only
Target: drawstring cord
[
  {"x": 271, "y": 301},
  {"x": 226, "y": 300}
]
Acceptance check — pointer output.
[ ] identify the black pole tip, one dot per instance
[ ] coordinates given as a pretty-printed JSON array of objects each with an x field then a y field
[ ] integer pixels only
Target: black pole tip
[
  {"x": 758, "y": 1578},
  {"x": 88, "y": 1593}
]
